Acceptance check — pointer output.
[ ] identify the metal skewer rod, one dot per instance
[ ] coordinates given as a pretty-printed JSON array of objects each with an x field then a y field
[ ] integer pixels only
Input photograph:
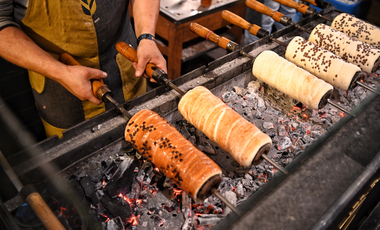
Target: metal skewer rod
[
  {"x": 367, "y": 87},
  {"x": 339, "y": 107},
  {"x": 277, "y": 166},
  {"x": 246, "y": 55},
  {"x": 278, "y": 42},
  {"x": 9, "y": 171},
  {"x": 300, "y": 27},
  {"x": 171, "y": 85},
  {"x": 324, "y": 17},
  {"x": 127, "y": 115},
  {"x": 224, "y": 200}
]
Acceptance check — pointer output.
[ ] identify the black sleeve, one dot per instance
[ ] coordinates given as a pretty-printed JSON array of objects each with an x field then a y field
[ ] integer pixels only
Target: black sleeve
[{"x": 6, "y": 14}]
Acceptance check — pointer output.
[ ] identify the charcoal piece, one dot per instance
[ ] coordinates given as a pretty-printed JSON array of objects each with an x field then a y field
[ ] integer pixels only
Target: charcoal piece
[
  {"x": 232, "y": 198},
  {"x": 110, "y": 170},
  {"x": 135, "y": 191},
  {"x": 206, "y": 148},
  {"x": 185, "y": 132},
  {"x": 158, "y": 221},
  {"x": 94, "y": 171},
  {"x": 89, "y": 189},
  {"x": 160, "y": 182},
  {"x": 284, "y": 143},
  {"x": 117, "y": 207},
  {"x": 268, "y": 125},
  {"x": 239, "y": 190},
  {"x": 239, "y": 91},
  {"x": 281, "y": 131},
  {"x": 115, "y": 224},
  {"x": 122, "y": 179},
  {"x": 261, "y": 105}
]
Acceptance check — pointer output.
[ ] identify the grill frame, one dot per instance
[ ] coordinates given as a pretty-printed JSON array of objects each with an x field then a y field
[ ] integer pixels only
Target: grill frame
[{"x": 87, "y": 138}]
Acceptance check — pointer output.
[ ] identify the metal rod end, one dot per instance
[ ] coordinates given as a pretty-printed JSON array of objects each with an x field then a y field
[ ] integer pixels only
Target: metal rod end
[
  {"x": 339, "y": 107},
  {"x": 277, "y": 166},
  {"x": 224, "y": 200}
]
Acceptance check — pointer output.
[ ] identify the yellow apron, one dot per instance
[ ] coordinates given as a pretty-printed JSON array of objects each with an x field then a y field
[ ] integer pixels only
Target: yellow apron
[{"x": 88, "y": 30}]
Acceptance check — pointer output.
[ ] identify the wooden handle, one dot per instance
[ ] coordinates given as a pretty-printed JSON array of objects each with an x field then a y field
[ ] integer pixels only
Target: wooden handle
[
  {"x": 44, "y": 213},
  {"x": 69, "y": 60},
  {"x": 302, "y": 8},
  {"x": 312, "y": 2},
  {"x": 261, "y": 8},
  {"x": 239, "y": 21},
  {"x": 209, "y": 35},
  {"x": 130, "y": 53}
]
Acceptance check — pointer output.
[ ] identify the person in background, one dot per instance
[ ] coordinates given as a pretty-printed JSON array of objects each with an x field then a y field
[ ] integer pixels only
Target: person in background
[
  {"x": 265, "y": 21},
  {"x": 33, "y": 34}
]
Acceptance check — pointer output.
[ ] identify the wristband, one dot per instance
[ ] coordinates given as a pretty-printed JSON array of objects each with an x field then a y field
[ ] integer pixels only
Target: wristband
[{"x": 145, "y": 36}]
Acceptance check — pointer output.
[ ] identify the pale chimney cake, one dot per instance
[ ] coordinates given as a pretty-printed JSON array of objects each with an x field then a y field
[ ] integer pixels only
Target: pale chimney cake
[{"x": 296, "y": 82}]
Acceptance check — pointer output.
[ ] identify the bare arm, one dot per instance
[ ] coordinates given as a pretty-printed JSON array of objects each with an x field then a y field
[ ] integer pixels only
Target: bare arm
[
  {"x": 18, "y": 48},
  {"x": 145, "y": 13}
]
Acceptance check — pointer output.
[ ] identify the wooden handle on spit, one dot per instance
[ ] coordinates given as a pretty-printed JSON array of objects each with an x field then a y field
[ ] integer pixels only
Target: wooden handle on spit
[
  {"x": 311, "y": 2},
  {"x": 261, "y": 8},
  {"x": 69, "y": 60},
  {"x": 209, "y": 35},
  {"x": 239, "y": 21},
  {"x": 44, "y": 213},
  {"x": 302, "y": 8},
  {"x": 130, "y": 53}
]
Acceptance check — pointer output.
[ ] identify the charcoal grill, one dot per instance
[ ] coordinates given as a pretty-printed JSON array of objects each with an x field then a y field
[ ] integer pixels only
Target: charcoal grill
[{"x": 324, "y": 183}]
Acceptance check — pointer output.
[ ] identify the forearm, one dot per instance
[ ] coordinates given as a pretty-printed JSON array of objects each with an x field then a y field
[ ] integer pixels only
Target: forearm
[
  {"x": 18, "y": 48},
  {"x": 145, "y": 13}
]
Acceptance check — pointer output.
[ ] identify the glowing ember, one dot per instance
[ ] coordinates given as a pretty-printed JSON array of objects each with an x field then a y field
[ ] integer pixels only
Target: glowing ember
[
  {"x": 105, "y": 217},
  {"x": 153, "y": 191},
  {"x": 341, "y": 114},
  {"x": 296, "y": 109},
  {"x": 61, "y": 210},
  {"x": 125, "y": 198},
  {"x": 133, "y": 220},
  {"x": 177, "y": 192},
  {"x": 156, "y": 169},
  {"x": 305, "y": 116}
]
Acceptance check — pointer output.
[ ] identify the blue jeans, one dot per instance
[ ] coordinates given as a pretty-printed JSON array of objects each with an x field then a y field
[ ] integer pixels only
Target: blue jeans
[{"x": 267, "y": 22}]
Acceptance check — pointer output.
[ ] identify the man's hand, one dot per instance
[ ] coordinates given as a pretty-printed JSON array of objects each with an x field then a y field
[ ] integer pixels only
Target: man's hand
[
  {"x": 77, "y": 80},
  {"x": 148, "y": 52},
  {"x": 18, "y": 48}
]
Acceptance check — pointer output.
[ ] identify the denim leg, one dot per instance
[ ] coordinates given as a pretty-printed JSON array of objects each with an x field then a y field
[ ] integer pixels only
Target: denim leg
[
  {"x": 253, "y": 17},
  {"x": 249, "y": 38},
  {"x": 287, "y": 11},
  {"x": 266, "y": 21}
]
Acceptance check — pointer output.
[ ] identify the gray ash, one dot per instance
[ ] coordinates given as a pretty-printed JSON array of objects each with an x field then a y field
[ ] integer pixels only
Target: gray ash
[
  {"x": 292, "y": 131},
  {"x": 124, "y": 191}
]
